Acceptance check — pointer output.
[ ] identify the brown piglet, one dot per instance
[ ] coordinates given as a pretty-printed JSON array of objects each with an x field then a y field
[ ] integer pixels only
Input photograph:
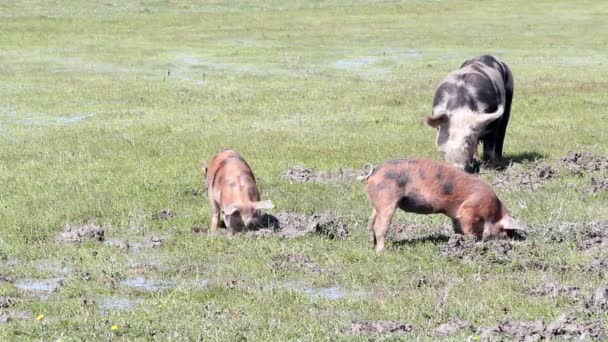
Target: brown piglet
[
  {"x": 232, "y": 192},
  {"x": 425, "y": 186}
]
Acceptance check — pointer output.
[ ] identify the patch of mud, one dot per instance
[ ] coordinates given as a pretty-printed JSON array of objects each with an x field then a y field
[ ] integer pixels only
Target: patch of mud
[
  {"x": 164, "y": 214},
  {"x": 300, "y": 173},
  {"x": 599, "y": 300},
  {"x": 563, "y": 327},
  {"x": 153, "y": 241},
  {"x": 581, "y": 162},
  {"x": 90, "y": 232},
  {"x": 294, "y": 262},
  {"x": 11, "y": 316},
  {"x": 405, "y": 233},
  {"x": 148, "y": 285},
  {"x": 598, "y": 184},
  {"x": 532, "y": 178},
  {"x": 452, "y": 326},
  {"x": 469, "y": 249},
  {"x": 367, "y": 328},
  {"x": 331, "y": 293},
  {"x": 294, "y": 225},
  {"x": 553, "y": 290}
]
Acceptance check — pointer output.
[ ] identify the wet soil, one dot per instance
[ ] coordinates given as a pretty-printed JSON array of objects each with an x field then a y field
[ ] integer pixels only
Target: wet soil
[
  {"x": 294, "y": 262},
  {"x": 563, "y": 327},
  {"x": 452, "y": 326},
  {"x": 43, "y": 286},
  {"x": 581, "y": 162},
  {"x": 469, "y": 249},
  {"x": 300, "y": 173},
  {"x": 88, "y": 232},
  {"x": 532, "y": 178},
  {"x": 294, "y": 225},
  {"x": 5, "y": 302},
  {"x": 150, "y": 285},
  {"x": 330, "y": 293}
]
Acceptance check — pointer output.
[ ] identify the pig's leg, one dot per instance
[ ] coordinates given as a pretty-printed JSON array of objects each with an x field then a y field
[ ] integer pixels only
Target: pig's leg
[
  {"x": 370, "y": 226},
  {"x": 470, "y": 223},
  {"x": 382, "y": 221},
  {"x": 215, "y": 216}
]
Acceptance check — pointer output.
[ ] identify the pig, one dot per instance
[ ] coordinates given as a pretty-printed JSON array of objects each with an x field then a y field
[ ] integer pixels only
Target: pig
[
  {"x": 232, "y": 192},
  {"x": 472, "y": 105},
  {"x": 424, "y": 186}
]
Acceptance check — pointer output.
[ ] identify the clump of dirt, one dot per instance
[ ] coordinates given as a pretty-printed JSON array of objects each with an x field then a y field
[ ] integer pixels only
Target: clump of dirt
[
  {"x": 562, "y": 327},
  {"x": 553, "y": 290},
  {"x": 532, "y": 178},
  {"x": 5, "y": 302},
  {"x": 599, "y": 184},
  {"x": 294, "y": 261},
  {"x": 452, "y": 326},
  {"x": 153, "y": 241},
  {"x": 164, "y": 214},
  {"x": 91, "y": 232},
  {"x": 293, "y": 225},
  {"x": 468, "y": 249},
  {"x": 6, "y": 279},
  {"x": 10, "y": 316},
  {"x": 599, "y": 300},
  {"x": 580, "y": 162},
  {"x": 300, "y": 173},
  {"x": 380, "y": 327}
]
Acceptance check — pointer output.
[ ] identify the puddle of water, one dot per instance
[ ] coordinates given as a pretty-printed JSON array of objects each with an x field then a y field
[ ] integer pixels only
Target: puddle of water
[
  {"x": 368, "y": 64},
  {"x": 52, "y": 267},
  {"x": 118, "y": 303},
  {"x": 331, "y": 293},
  {"x": 73, "y": 119},
  {"x": 151, "y": 285},
  {"x": 36, "y": 285}
]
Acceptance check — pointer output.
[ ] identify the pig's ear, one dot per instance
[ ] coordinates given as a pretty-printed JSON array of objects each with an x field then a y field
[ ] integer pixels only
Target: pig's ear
[
  {"x": 263, "y": 205},
  {"x": 231, "y": 209},
  {"x": 483, "y": 120},
  {"x": 436, "y": 120},
  {"x": 204, "y": 167}
]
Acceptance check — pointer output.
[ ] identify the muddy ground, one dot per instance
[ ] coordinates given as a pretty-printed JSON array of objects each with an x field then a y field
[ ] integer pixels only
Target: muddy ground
[
  {"x": 293, "y": 225},
  {"x": 301, "y": 173},
  {"x": 370, "y": 328}
]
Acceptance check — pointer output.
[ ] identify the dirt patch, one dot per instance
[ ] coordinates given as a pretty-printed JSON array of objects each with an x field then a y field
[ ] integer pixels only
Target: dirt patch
[
  {"x": 452, "y": 326},
  {"x": 562, "y": 327},
  {"x": 164, "y": 214},
  {"x": 595, "y": 236},
  {"x": 599, "y": 300},
  {"x": 300, "y": 173},
  {"x": 598, "y": 184},
  {"x": 294, "y": 262},
  {"x": 598, "y": 266},
  {"x": 6, "y": 279},
  {"x": 532, "y": 178},
  {"x": 553, "y": 290},
  {"x": 153, "y": 241},
  {"x": 11, "y": 316},
  {"x": 581, "y": 162},
  {"x": 89, "y": 232},
  {"x": 379, "y": 328},
  {"x": 293, "y": 225},
  {"x": 405, "y": 233},
  {"x": 468, "y": 249}
]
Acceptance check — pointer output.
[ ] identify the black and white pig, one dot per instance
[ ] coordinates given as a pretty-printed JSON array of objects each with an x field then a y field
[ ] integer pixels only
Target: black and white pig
[{"x": 472, "y": 105}]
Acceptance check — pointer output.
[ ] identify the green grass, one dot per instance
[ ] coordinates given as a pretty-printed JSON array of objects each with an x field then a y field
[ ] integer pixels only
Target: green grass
[{"x": 106, "y": 110}]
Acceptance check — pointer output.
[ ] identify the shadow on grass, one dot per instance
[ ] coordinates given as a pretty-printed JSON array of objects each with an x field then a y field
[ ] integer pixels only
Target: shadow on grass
[
  {"x": 524, "y": 157},
  {"x": 435, "y": 238}
]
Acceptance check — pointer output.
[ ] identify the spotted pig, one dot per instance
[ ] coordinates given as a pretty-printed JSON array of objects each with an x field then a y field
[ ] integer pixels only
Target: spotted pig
[
  {"x": 232, "y": 192},
  {"x": 472, "y": 105},
  {"x": 425, "y": 186}
]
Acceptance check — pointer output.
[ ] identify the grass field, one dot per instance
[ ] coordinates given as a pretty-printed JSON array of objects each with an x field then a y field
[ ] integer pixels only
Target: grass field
[{"x": 107, "y": 108}]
